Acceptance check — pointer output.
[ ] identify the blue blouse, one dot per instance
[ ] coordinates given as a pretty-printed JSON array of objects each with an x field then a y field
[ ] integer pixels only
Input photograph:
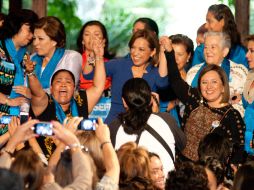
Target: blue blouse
[{"x": 120, "y": 71}]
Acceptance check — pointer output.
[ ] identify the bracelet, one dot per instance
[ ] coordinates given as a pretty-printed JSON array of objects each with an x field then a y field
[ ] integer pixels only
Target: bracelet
[
  {"x": 30, "y": 74},
  {"x": 8, "y": 152},
  {"x": 75, "y": 145},
  {"x": 106, "y": 142}
]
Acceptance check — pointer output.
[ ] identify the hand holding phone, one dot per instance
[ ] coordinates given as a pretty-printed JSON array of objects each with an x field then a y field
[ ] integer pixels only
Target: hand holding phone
[
  {"x": 87, "y": 125},
  {"x": 5, "y": 119},
  {"x": 43, "y": 129}
]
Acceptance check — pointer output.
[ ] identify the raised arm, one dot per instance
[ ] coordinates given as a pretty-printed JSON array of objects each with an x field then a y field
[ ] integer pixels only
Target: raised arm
[
  {"x": 82, "y": 169},
  {"x": 165, "y": 45},
  {"x": 94, "y": 93},
  {"x": 39, "y": 99},
  {"x": 180, "y": 87},
  {"x": 110, "y": 158}
]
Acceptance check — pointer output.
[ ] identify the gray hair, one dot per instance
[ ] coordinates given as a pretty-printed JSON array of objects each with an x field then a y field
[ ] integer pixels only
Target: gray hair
[{"x": 225, "y": 38}]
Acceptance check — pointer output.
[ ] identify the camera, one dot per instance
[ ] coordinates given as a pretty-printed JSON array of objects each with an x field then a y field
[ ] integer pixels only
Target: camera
[
  {"x": 87, "y": 125},
  {"x": 5, "y": 119},
  {"x": 44, "y": 129}
]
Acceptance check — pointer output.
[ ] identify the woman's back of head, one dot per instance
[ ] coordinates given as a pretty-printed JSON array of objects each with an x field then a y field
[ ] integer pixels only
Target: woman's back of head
[
  {"x": 244, "y": 177},
  {"x": 89, "y": 140},
  {"x": 63, "y": 170},
  {"x": 28, "y": 164},
  {"x": 134, "y": 167},
  {"x": 137, "y": 96},
  {"x": 187, "y": 176},
  {"x": 10, "y": 180}
]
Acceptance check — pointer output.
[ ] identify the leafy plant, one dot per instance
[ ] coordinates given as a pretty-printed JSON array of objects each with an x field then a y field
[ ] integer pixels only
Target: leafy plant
[
  {"x": 65, "y": 10},
  {"x": 119, "y": 16}
]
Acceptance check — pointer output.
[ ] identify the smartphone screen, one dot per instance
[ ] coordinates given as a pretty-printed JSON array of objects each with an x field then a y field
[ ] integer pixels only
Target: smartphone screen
[
  {"x": 5, "y": 119},
  {"x": 43, "y": 129},
  {"x": 87, "y": 125},
  {"x": 23, "y": 118}
]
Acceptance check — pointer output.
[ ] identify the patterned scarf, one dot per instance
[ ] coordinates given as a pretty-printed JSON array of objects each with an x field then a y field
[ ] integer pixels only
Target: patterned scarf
[
  {"x": 60, "y": 113},
  {"x": 17, "y": 57}
]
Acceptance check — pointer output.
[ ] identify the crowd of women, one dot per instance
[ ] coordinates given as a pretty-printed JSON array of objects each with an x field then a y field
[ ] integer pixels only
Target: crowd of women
[{"x": 179, "y": 118}]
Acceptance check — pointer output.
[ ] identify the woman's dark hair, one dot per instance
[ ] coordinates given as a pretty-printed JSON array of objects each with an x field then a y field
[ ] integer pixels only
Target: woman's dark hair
[
  {"x": 150, "y": 24},
  {"x": 54, "y": 28},
  {"x": 153, "y": 43},
  {"x": 186, "y": 42},
  {"x": 10, "y": 180},
  {"x": 244, "y": 177},
  {"x": 223, "y": 77},
  {"x": 216, "y": 146},
  {"x": 187, "y": 175},
  {"x": 2, "y": 17},
  {"x": 81, "y": 47},
  {"x": 29, "y": 166},
  {"x": 152, "y": 154},
  {"x": 202, "y": 29},
  {"x": 59, "y": 71},
  {"x": 63, "y": 172},
  {"x": 221, "y": 11},
  {"x": 249, "y": 38},
  {"x": 215, "y": 166},
  {"x": 14, "y": 21},
  {"x": 137, "y": 95}
]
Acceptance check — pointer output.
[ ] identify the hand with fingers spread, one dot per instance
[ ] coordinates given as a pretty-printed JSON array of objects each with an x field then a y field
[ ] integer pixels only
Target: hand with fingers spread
[
  {"x": 72, "y": 124},
  {"x": 22, "y": 133},
  {"x": 23, "y": 90}
]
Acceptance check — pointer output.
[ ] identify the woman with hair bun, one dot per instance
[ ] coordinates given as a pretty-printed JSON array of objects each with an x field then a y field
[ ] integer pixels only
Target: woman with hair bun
[{"x": 137, "y": 122}]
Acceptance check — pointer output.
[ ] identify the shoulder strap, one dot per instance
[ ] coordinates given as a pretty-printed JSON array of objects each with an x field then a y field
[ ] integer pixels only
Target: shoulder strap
[
  {"x": 160, "y": 139},
  {"x": 138, "y": 137},
  {"x": 180, "y": 138}
]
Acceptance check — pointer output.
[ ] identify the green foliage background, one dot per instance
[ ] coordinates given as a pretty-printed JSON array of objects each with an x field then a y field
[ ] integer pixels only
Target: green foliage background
[
  {"x": 65, "y": 10},
  {"x": 118, "y": 17}
]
